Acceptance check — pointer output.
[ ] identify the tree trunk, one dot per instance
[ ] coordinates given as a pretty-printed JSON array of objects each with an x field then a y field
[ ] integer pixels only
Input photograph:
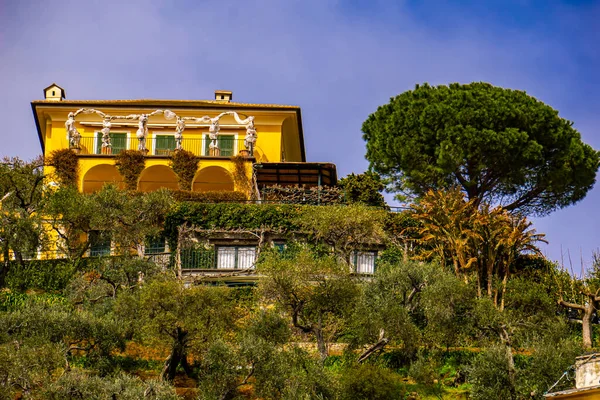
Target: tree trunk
[
  {"x": 586, "y": 323},
  {"x": 504, "y": 281},
  {"x": 586, "y": 320},
  {"x": 5, "y": 266},
  {"x": 178, "y": 356},
  {"x": 321, "y": 345},
  {"x": 490, "y": 278}
]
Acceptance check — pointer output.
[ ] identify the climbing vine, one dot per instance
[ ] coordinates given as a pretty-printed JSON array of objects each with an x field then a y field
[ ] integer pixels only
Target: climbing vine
[
  {"x": 66, "y": 166},
  {"x": 240, "y": 175},
  {"x": 130, "y": 164},
  {"x": 185, "y": 164}
]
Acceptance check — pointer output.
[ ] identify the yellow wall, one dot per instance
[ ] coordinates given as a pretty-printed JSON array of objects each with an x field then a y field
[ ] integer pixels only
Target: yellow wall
[{"x": 215, "y": 173}]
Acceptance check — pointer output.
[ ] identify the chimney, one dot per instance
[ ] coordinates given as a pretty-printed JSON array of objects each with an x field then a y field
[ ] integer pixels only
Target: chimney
[
  {"x": 223, "y": 95},
  {"x": 587, "y": 371}
]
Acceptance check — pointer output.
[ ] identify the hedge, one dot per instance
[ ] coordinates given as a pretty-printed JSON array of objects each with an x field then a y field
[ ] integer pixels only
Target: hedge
[{"x": 209, "y": 197}]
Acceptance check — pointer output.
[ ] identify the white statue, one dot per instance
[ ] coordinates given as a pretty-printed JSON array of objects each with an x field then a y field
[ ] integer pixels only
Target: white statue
[
  {"x": 73, "y": 136},
  {"x": 106, "y": 125},
  {"x": 179, "y": 128},
  {"x": 142, "y": 132},
  {"x": 213, "y": 132},
  {"x": 251, "y": 134}
]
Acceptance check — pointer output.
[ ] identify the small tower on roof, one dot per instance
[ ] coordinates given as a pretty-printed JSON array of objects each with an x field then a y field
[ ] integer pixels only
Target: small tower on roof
[
  {"x": 223, "y": 95},
  {"x": 54, "y": 93}
]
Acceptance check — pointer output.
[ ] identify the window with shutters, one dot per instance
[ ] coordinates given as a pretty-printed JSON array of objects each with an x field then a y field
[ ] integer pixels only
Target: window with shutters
[
  {"x": 164, "y": 145},
  {"x": 226, "y": 145},
  {"x": 118, "y": 141},
  {"x": 236, "y": 257}
]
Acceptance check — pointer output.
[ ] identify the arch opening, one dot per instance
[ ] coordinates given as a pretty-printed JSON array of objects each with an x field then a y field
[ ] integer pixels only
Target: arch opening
[
  {"x": 213, "y": 179},
  {"x": 99, "y": 175},
  {"x": 156, "y": 177}
]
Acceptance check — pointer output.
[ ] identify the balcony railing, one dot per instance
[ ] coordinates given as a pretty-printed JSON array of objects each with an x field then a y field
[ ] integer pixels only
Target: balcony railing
[{"x": 165, "y": 145}]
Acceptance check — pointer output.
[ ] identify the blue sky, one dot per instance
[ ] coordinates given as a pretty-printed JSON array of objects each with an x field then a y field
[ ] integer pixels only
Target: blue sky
[{"x": 338, "y": 60}]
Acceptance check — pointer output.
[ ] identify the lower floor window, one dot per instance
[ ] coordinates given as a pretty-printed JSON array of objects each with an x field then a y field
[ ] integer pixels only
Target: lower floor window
[
  {"x": 155, "y": 245},
  {"x": 99, "y": 244},
  {"x": 236, "y": 257},
  {"x": 364, "y": 262}
]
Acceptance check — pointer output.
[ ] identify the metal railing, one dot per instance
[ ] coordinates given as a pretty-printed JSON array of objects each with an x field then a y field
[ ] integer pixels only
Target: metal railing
[{"x": 164, "y": 145}]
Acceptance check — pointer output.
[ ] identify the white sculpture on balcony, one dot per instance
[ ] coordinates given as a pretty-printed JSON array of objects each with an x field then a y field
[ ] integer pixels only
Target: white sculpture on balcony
[
  {"x": 179, "y": 128},
  {"x": 142, "y": 132},
  {"x": 73, "y": 136},
  {"x": 106, "y": 144}
]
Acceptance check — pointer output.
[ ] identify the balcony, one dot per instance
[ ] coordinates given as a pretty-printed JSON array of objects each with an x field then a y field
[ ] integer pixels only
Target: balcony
[{"x": 164, "y": 145}]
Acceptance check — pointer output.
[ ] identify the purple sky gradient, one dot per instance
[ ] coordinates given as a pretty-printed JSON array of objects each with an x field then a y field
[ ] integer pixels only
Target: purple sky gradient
[{"x": 338, "y": 60}]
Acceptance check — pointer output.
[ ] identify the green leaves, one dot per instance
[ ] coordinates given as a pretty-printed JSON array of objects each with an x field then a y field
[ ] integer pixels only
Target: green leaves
[{"x": 499, "y": 145}]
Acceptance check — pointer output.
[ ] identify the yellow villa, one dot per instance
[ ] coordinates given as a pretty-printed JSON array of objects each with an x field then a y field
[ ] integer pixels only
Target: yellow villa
[{"x": 269, "y": 137}]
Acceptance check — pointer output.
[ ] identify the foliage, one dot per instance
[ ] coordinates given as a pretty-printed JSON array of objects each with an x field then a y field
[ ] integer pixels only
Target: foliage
[
  {"x": 389, "y": 307},
  {"x": 126, "y": 219},
  {"x": 78, "y": 385},
  {"x": 366, "y": 381},
  {"x": 47, "y": 275},
  {"x": 300, "y": 195},
  {"x": 490, "y": 376},
  {"x": 498, "y": 145},
  {"x": 37, "y": 323},
  {"x": 182, "y": 318},
  {"x": 25, "y": 368},
  {"x": 66, "y": 166},
  {"x": 21, "y": 202},
  {"x": 210, "y": 196},
  {"x": 363, "y": 188},
  {"x": 318, "y": 293},
  {"x": 185, "y": 165},
  {"x": 344, "y": 228},
  {"x": 482, "y": 239},
  {"x": 130, "y": 164}
]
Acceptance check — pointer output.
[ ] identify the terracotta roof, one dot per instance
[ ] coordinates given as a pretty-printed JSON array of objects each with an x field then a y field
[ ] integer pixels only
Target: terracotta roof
[{"x": 164, "y": 103}]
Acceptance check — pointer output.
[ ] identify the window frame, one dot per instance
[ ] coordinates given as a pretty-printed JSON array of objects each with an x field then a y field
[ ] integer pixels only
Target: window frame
[
  {"x": 236, "y": 255},
  {"x": 355, "y": 257}
]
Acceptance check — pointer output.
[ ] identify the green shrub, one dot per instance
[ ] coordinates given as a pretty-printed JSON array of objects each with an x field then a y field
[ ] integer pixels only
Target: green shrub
[
  {"x": 489, "y": 376},
  {"x": 209, "y": 197},
  {"x": 424, "y": 369},
  {"x": 364, "y": 189},
  {"x": 300, "y": 195},
  {"x": 47, "y": 275},
  {"x": 76, "y": 385},
  {"x": 372, "y": 382}
]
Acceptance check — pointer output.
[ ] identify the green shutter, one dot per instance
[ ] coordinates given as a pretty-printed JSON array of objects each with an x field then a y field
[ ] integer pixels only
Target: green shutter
[
  {"x": 99, "y": 143},
  {"x": 226, "y": 145},
  {"x": 164, "y": 144},
  {"x": 206, "y": 145},
  {"x": 119, "y": 142}
]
